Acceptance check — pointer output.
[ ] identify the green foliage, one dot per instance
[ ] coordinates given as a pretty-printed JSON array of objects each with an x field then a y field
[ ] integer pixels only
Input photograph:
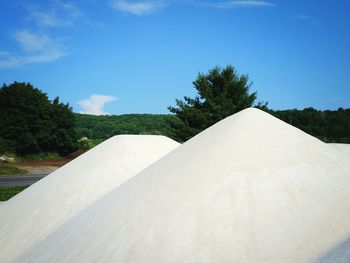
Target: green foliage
[
  {"x": 328, "y": 126},
  {"x": 7, "y": 192},
  {"x": 63, "y": 119},
  {"x": 221, "y": 93},
  {"x": 99, "y": 128},
  {"x": 7, "y": 170},
  {"x": 31, "y": 123},
  {"x": 87, "y": 145},
  {"x": 33, "y": 127}
]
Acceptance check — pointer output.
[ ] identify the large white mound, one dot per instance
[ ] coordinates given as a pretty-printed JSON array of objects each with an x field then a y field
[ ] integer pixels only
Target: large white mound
[
  {"x": 249, "y": 189},
  {"x": 343, "y": 147},
  {"x": 41, "y": 208}
]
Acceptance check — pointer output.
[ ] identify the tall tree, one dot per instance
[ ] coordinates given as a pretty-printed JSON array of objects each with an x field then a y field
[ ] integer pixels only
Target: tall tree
[
  {"x": 30, "y": 122},
  {"x": 221, "y": 92},
  {"x": 63, "y": 134}
]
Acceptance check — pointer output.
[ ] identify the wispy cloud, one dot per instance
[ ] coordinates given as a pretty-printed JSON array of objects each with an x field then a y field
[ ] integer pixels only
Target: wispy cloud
[
  {"x": 17, "y": 61},
  {"x": 34, "y": 48},
  {"x": 30, "y": 41},
  {"x": 143, "y": 7},
  {"x": 36, "y": 45},
  {"x": 57, "y": 14},
  {"x": 138, "y": 7},
  {"x": 308, "y": 18},
  {"x": 71, "y": 9},
  {"x": 48, "y": 19},
  {"x": 240, "y": 3},
  {"x": 95, "y": 104}
]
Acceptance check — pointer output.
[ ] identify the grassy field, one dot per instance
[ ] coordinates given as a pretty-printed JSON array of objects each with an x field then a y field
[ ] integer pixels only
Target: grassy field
[
  {"x": 8, "y": 170},
  {"x": 7, "y": 192}
]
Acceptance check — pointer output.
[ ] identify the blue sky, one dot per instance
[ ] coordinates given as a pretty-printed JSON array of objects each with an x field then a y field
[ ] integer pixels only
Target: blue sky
[{"x": 123, "y": 56}]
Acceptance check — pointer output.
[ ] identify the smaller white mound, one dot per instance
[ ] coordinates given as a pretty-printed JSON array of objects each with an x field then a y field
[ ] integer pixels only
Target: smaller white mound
[{"x": 41, "y": 208}]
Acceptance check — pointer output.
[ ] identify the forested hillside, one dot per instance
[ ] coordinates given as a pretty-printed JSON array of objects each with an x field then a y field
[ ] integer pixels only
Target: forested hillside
[
  {"x": 329, "y": 126},
  {"x": 103, "y": 127}
]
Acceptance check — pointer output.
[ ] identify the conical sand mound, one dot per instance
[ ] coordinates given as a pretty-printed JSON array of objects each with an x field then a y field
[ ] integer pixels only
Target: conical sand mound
[
  {"x": 249, "y": 189},
  {"x": 342, "y": 147},
  {"x": 33, "y": 214}
]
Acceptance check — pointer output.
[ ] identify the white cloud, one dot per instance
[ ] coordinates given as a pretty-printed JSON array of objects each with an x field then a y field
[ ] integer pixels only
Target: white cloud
[
  {"x": 308, "y": 19},
  {"x": 142, "y": 7},
  {"x": 36, "y": 48},
  {"x": 30, "y": 41},
  {"x": 137, "y": 8},
  {"x": 17, "y": 61},
  {"x": 240, "y": 3},
  {"x": 71, "y": 9},
  {"x": 58, "y": 14},
  {"x": 48, "y": 19},
  {"x": 95, "y": 104}
]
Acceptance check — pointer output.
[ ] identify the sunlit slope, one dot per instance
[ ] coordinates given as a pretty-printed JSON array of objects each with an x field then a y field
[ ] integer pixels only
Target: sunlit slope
[
  {"x": 343, "y": 147},
  {"x": 34, "y": 213}
]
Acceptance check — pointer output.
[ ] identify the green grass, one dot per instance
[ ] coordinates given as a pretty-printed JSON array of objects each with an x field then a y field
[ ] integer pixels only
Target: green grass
[
  {"x": 7, "y": 192},
  {"x": 7, "y": 170}
]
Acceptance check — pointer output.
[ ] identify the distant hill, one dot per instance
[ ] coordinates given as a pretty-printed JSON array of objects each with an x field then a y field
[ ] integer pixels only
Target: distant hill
[
  {"x": 329, "y": 126},
  {"x": 103, "y": 127}
]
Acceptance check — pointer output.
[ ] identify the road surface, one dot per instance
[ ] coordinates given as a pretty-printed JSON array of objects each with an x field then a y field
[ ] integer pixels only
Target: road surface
[{"x": 20, "y": 180}]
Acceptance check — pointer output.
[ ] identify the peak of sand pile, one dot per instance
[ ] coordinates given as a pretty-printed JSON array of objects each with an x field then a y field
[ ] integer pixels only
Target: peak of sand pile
[
  {"x": 41, "y": 208},
  {"x": 251, "y": 188}
]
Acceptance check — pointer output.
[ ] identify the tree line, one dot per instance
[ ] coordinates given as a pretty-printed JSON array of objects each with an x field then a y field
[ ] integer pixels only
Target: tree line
[
  {"x": 31, "y": 123},
  {"x": 328, "y": 126},
  {"x": 331, "y": 126},
  {"x": 103, "y": 127}
]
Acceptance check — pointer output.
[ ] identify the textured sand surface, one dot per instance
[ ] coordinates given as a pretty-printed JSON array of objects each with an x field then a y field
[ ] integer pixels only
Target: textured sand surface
[
  {"x": 34, "y": 213},
  {"x": 249, "y": 189},
  {"x": 344, "y": 148}
]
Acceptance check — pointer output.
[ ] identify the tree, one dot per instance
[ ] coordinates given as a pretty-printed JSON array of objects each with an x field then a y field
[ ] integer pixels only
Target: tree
[
  {"x": 64, "y": 137},
  {"x": 221, "y": 93},
  {"x": 31, "y": 123}
]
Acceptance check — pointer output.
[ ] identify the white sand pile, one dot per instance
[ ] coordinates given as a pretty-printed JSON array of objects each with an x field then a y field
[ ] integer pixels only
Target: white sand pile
[
  {"x": 343, "y": 147},
  {"x": 41, "y": 208},
  {"x": 249, "y": 189}
]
